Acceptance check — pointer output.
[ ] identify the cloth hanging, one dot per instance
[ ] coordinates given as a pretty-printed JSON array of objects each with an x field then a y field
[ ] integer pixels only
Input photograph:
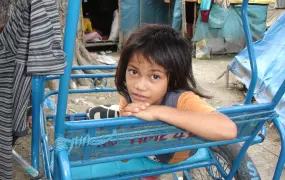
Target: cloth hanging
[
  {"x": 30, "y": 44},
  {"x": 205, "y": 14},
  {"x": 224, "y": 3},
  {"x": 280, "y": 4}
]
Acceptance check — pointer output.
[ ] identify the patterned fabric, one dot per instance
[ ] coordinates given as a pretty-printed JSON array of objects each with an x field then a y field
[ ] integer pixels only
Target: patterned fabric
[{"x": 30, "y": 44}]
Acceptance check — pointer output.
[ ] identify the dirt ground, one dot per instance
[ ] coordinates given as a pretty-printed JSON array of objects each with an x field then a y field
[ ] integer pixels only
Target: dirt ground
[{"x": 265, "y": 155}]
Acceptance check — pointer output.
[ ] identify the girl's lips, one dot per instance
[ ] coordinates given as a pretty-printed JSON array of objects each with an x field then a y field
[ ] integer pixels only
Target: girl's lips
[{"x": 139, "y": 97}]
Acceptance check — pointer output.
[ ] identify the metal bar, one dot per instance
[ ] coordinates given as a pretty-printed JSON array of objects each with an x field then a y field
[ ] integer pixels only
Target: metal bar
[
  {"x": 76, "y": 125},
  {"x": 258, "y": 138},
  {"x": 255, "y": 120},
  {"x": 174, "y": 176},
  {"x": 278, "y": 94},
  {"x": 243, "y": 151},
  {"x": 218, "y": 165},
  {"x": 69, "y": 45},
  {"x": 64, "y": 165},
  {"x": 162, "y": 171},
  {"x": 95, "y": 67},
  {"x": 36, "y": 102},
  {"x": 155, "y": 152},
  {"x": 281, "y": 159},
  {"x": 45, "y": 146},
  {"x": 251, "y": 53},
  {"x": 43, "y": 86},
  {"x": 186, "y": 175},
  {"x": 77, "y": 76},
  {"x": 46, "y": 156},
  {"x": 52, "y": 116},
  {"x": 75, "y": 91},
  {"x": 246, "y": 108},
  {"x": 27, "y": 167}
]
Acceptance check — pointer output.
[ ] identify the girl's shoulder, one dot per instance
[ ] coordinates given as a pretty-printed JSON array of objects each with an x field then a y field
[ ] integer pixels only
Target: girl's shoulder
[
  {"x": 188, "y": 100},
  {"x": 171, "y": 98}
]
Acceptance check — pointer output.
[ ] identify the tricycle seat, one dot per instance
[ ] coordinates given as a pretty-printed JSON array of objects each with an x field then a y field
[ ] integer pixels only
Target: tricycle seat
[{"x": 138, "y": 165}]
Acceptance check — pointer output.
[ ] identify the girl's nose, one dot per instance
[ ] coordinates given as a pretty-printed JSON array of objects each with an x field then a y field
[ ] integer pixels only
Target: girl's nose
[{"x": 141, "y": 84}]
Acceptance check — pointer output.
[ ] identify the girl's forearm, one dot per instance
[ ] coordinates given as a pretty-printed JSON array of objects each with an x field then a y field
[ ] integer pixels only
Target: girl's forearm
[{"x": 212, "y": 126}]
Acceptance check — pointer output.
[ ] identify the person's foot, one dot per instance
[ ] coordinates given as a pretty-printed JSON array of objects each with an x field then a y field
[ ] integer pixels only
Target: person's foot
[
  {"x": 29, "y": 117},
  {"x": 29, "y": 122}
]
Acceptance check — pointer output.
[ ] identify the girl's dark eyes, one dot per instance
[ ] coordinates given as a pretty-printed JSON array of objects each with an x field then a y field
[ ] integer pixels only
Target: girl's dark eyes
[
  {"x": 155, "y": 77},
  {"x": 135, "y": 72},
  {"x": 132, "y": 71}
]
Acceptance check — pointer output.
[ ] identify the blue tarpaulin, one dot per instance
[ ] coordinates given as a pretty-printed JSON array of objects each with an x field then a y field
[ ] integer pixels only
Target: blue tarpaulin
[
  {"x": 270, "y": 58},
  {"x": 136, "y": 13},
  {"x": 226, "y": 25}
]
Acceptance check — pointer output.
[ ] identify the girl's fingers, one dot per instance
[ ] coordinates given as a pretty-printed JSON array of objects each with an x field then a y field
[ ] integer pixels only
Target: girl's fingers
[
  {"x": 126, "y": 114},
  {"x": 135, "y": 107},
  {"x": 131, "y": 109}
]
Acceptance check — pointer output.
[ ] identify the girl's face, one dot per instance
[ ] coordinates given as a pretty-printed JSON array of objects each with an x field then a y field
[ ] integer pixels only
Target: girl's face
[{"x": 146, "y": 82}]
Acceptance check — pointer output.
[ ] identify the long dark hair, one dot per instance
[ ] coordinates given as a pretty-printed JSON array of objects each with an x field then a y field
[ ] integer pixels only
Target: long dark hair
[{"x": 162, "y": 45}]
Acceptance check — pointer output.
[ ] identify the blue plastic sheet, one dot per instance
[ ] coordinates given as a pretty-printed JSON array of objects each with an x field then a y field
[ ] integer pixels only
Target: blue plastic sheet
[
  {"x": 154, "y": 12},
  {"x": 270, "y": 58},
  {"x": 129, "y": 15},
  {"x": 50, "y": 104},
  {"x": 177, "y": 15},
  {"x": 135, "y": 13},
  {"x": 205, "y": 5},
  {"x": 227, "y": 24}
]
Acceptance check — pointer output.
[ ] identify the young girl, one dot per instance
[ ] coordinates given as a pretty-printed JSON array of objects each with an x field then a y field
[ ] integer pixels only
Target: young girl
[{"x": 156, "y": 82}]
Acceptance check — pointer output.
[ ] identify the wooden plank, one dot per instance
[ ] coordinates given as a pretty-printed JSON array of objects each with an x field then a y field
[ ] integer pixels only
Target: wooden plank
[
  {"x": 253, "y": 1},
  {"x": 195, "y": 19},
  {"x": 97, "y": 44},
  {"x": 194, "y": 1},
  {"x": 120, "y": 31}
]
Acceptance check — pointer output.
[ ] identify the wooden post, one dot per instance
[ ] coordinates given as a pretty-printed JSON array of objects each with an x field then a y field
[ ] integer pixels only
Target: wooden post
[
  {"x": 141, "y": 13},
  {"x": 120, "y": 31},
  {"x": 82, "y": 24},
  {"x": 184, "y": 23},
  {"x": 195, "y": 18}
]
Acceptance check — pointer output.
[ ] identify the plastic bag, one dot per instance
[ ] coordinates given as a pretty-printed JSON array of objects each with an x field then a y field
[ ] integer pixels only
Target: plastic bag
[
  {"x": 114, "y": 35},
  {"x": 202, "y": 50},
  {"x": 205, "y": 5},
  {"x": 50, "y": 104}
]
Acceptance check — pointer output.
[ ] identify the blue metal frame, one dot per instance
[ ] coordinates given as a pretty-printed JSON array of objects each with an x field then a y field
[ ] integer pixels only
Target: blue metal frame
[
  {"x": 281, "y": 159},
  {"x": 251, "y": 53},
  {"x": 60, "y": 159},
  {"x": 69, "y": 45},
  {"x": 37, "y": 90},
  {"x": 77, "y": 76}
]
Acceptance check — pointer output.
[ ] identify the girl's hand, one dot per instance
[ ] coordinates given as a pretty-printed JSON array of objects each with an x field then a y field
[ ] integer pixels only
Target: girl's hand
[
  {"x": 133, "y": 108},
  {"x": 141, "y": 111}
]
